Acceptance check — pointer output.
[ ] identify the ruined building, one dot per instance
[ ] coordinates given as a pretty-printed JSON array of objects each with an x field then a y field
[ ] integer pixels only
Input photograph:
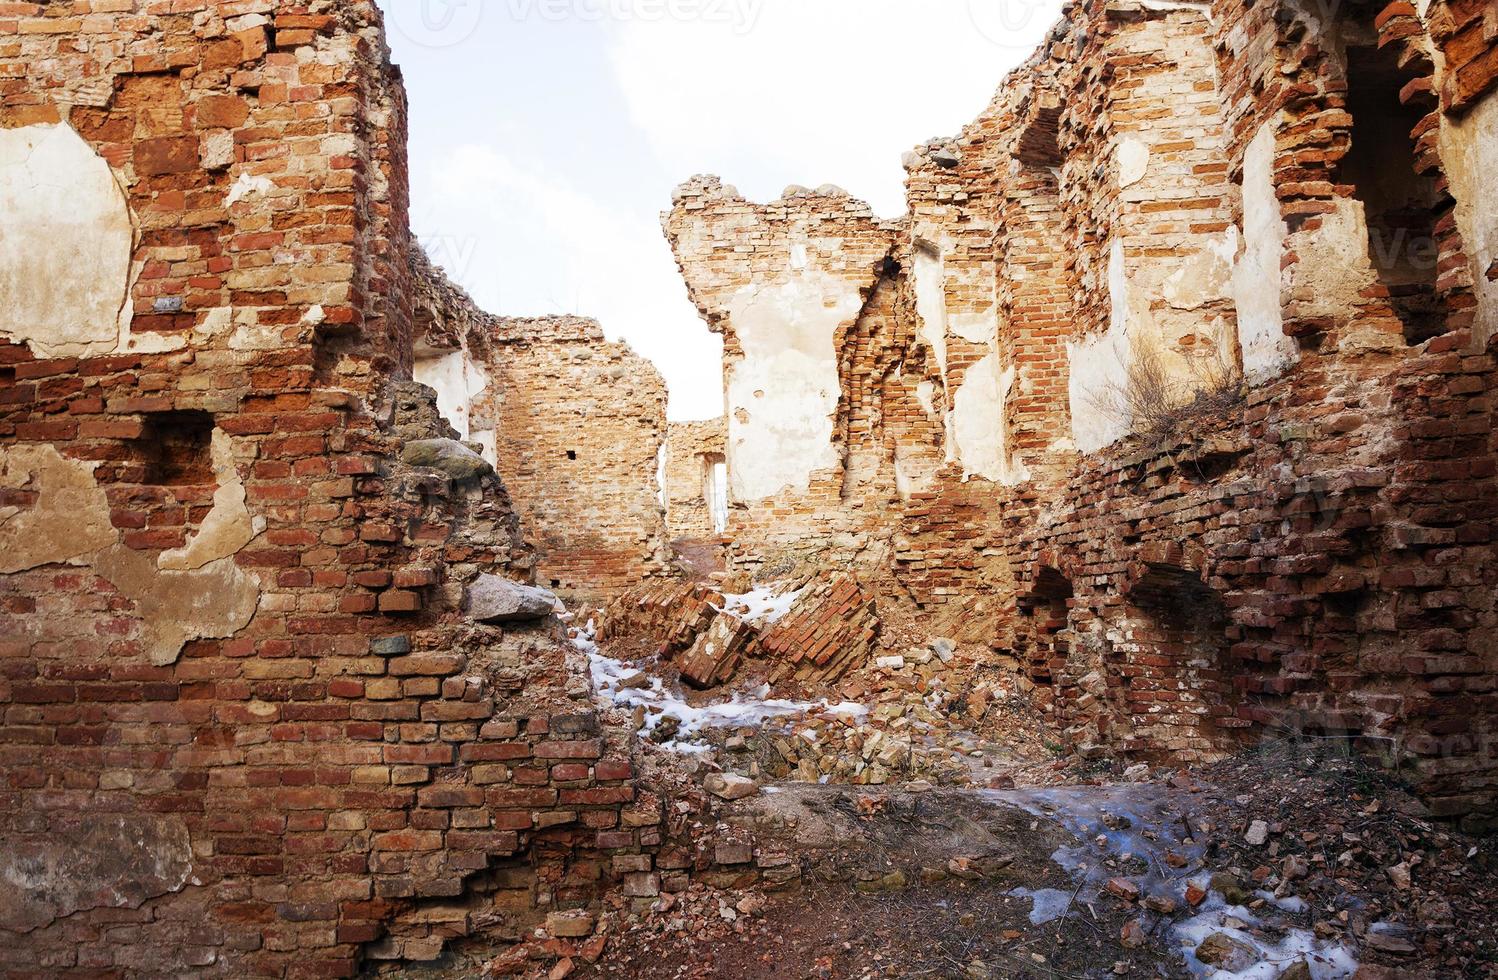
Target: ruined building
[
  {"x": 1171, "y": 393},
  {"x": 1173, "y": 383}
]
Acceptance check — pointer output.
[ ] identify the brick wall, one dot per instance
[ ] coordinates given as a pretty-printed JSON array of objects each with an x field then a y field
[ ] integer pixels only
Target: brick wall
[
  {"x": 693, "y": 448},
  {"x": 579, "y": 426},
  {"x": 245, "y": 726},
  {"x": 574, "y": 424}
]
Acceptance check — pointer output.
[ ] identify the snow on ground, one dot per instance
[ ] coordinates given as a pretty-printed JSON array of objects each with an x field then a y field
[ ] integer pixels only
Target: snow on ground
[
  {"x": 1138, "y": 820},
  {"x": 745, "y": 709}
]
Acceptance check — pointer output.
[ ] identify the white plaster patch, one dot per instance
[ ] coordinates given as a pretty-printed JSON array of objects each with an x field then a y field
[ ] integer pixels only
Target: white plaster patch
[
  {"x": 925, "y": 394},
  {"x": 1133, "y": 161},
  {"x": 981, "y": 327},
  {"x": 457, "y": 380},
  {"x": 1257, "y": 278},
  {"x": 1204, "y": 277},
  {"x": 66, "y": 240},
  {"x": 1333, "y": 270},
  {"x": 978, "y": 421},
  {"x": 661, "y": 455},
  {"x": 228, "y": 526},
  {"x": 216, "y": 321},
  {"x": 786, "y": 332},
  {"x": 70, "y": 518},
  {"x": 1099, "y": 370},
  {"x": 488, "y": 447},
  {"x": 931, "y": 303},
  {"x": 1469, "y": 151},
  {"x": 246, "y": 186}
]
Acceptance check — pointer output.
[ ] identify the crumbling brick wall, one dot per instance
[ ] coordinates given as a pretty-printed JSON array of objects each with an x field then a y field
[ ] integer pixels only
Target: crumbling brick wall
[
  {"x": 589, "y": 494},
  {"x": 692, "y": 450},
  {"x": 245, "y": 725},
  {"x": 1301, "y": 537}
]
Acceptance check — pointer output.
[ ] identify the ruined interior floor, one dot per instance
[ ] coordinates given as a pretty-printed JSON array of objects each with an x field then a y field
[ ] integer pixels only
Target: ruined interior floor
[{"x": 996, "y": 855}]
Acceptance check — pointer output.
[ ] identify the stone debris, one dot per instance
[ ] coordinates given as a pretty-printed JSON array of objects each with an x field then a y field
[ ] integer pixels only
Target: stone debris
[
  {"x": 728, "y": 786},
  {"x": 1224, "y": 952},
  {"x": 714, "y": 657},
  {"x": 1258, "y": 833},
  {"x": 448, "y": 455},
  {"x": 492, "y": 599},
  {"x": 831, "y": 628}
]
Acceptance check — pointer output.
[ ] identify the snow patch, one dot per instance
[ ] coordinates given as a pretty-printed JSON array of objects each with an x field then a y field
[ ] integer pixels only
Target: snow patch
[
  {"x": 762, "y": 606},
  {"x": 746, "y": 709},
  {"x": 1139, "y": 821}
]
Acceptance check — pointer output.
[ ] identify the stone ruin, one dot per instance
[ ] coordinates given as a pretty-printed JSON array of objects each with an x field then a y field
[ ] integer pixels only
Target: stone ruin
[{"x": 1169, "y": 398}]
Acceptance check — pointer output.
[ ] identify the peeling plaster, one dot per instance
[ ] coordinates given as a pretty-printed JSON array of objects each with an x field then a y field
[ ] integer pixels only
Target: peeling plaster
[
  {"x": 1257, "y": 277},
  {"x": 977, "y": 422},
  {"x": 457, "y": 379},
  {"x": 69, "y": 523},
  {"x": 1133, "y": 162},
  {"x": 931, "y": 302},
  {"x": 1204, "y": 277},
  {"x": 1333, "y": 270},
  {"x": 217, "y": 600},
  {"x": 246, "y": 186},
  {"x": 70, "y": 518},
  {"x": 488, "y": 445},
  {"x": 1469, "y": 152},
  {"x": 66, "y": 239},
  {"x": 981, "y": 327},
  {"x": 786, "y": 332},
  {"x": 1098, "y": 367},
  {"x": 102, "y": 860},
  {"x": 228, "y": 526}
]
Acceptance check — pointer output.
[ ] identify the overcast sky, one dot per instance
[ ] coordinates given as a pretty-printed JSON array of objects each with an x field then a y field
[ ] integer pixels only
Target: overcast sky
[{"x": 546, "y": 135}]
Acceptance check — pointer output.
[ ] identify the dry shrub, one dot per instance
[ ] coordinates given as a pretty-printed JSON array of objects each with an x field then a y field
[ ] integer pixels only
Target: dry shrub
[{"x": 1163, "y": 407}]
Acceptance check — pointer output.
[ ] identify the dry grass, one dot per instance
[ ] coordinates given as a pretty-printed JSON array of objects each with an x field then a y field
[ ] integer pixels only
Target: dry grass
[{"x": 1164, "y": 407}]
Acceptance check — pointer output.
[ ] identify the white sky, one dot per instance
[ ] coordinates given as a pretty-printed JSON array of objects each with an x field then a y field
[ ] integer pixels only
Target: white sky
[{"x": 546, "y": 135}]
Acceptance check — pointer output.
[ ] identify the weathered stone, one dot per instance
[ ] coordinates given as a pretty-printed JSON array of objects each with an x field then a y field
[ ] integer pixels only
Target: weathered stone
[
  {"x": 570, "y": 925},
  {"x": 390, "y": 646},
  {"x": 447, "y": 455},
  {"x": 730, "y": 786},
  {"x": 492, "y": 599},
  {"x": 1226, "y": 953},
  {"x": 733, "y": 852}
]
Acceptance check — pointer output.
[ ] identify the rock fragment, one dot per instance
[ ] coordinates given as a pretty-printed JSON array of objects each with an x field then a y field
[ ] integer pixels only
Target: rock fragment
[{"x": 492, "y": 599}]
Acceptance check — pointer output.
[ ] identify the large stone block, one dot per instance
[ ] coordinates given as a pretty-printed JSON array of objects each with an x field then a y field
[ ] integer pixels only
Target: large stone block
[{"x": 492, "y": 599}]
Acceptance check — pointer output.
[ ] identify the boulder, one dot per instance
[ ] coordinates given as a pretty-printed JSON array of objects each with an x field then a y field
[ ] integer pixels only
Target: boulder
[
  {"x": 492, "y": 599},
  {"x": 448, "y": 455}
]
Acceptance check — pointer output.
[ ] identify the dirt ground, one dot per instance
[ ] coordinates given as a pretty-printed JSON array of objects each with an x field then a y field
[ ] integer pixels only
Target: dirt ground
[{"x": 1336, "y": 833}]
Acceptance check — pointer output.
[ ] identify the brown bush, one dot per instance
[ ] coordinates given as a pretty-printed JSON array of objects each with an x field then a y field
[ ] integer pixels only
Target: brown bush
[{"x": 1162, "y": 407}]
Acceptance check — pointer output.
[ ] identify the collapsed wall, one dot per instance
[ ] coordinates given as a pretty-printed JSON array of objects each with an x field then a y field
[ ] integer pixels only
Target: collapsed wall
[
  {"x": 589, "y": 495},
  {"x": 268, "y": 705},
  {"x": 1178, "y": 363}
]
